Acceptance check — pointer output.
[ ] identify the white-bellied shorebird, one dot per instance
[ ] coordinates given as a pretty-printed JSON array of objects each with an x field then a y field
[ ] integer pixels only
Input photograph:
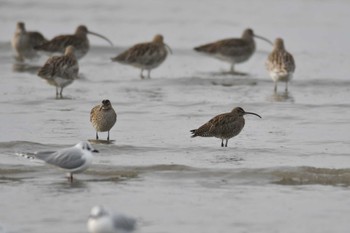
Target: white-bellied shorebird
[
  {"x": 103, "y": 117},
  {"x": 223, "y": 126},
  {"x": 60, "y": 71},
  {"x": 23, "y": 42},
  {"x": 233, "y": 50},
  {"x": 74, "y": 159},
  {"x": 145, "y": 56},
  {"x": 280, "y": 64},
  {"x": 79, "y": 40},
  {"x": 104, "y": 221}
]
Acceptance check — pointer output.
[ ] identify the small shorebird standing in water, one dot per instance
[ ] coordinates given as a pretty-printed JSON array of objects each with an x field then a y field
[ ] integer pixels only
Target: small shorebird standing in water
[
  {"x": 79, "y": 40},
  {"x": 23, "y": 42},
  {"x": 60, "y": 71},
  {"x": 145, "y": 56},
  {"x": 223, "y": 126},
  {"x": 234, "y": 50},
  {"x": 103, "y": 117},
  {"x": 74, "y": 159},
  {"x": 280, "y": 64}
]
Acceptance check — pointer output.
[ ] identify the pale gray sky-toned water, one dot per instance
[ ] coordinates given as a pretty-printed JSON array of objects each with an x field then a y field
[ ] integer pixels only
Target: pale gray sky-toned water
[{"x": 286, "y": 172}]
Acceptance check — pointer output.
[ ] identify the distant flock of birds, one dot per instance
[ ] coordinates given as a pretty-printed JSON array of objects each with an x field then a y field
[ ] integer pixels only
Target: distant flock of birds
[{"x": 60, "y": 71}]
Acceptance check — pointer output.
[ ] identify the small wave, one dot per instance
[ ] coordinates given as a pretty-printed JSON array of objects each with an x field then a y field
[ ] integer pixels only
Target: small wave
[{"x": 313, "y": 175}]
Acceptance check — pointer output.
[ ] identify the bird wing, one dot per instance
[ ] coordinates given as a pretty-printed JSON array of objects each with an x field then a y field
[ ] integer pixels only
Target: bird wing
[
  {"x": 227, "y": 46},
  {"x": 140, "y": 53},
  {"x": 69, "y": 158},
  {"x": 280, "y": 60},
  {"x": 59, "y": 66},
  {"x": 36, "y": 38},
  {"x": 209, "y": 128},
  {"x": 59, "y": 43},
  {"x": 49, "y": 68},
  {"x": 93, "y": 110},
  {"x": 124, "y": 223}
]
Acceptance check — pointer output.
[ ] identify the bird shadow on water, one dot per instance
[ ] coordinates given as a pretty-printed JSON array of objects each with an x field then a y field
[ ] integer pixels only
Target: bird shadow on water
[
  {"x": 101, "y": 141},
  {"x": 284, "y": 96},
  {"x": 25, "y": 68},
  {"x": 221, "y": 79}
]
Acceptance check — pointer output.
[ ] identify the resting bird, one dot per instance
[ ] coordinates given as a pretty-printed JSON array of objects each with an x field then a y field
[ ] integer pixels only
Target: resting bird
[
  {"x": 79, "y": 40},
  {"x": 24, "y": 41},
  {"x": 145, "y": 56},
  {"x": 223, "y": 126},
  {"x": 102, "y": 221},
  {"x": 74, "y": 159},
  {"x": 233, "y": 50}
]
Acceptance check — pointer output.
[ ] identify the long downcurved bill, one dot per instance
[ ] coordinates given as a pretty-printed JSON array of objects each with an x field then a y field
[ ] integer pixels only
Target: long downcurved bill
[
  {"x": 171, "y": 51},
  {"x": 98, "y": 35},
  {"x": 263, "y": 38},
  {"x": 252, "y": 113}
]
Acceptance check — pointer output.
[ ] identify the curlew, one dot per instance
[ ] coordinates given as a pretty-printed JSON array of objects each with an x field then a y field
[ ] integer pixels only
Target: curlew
[
  {"x": 145, "y": 56},
  {"x": 223, "y": 126},
  {"x": 233, "y": 50},
  {"x": 60, "y": 71},
  {"x": 79, "y": 40}
]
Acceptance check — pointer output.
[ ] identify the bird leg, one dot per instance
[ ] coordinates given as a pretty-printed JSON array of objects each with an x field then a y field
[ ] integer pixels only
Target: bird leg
[
  {"x": 96, "y": 135},
  {"x": 57, "y": 94},
  {"x": 226, "y": 142},
  {"x": 61, "y": 96},
  {"x": 222, "y": 142},
  {"x": 108, "y": 136},
  {"x": 141, "y": 75},
  {"x": 70, "y": 177},
  {"x": 275, "y": 87},
  {"x": 232, "y": 69}
]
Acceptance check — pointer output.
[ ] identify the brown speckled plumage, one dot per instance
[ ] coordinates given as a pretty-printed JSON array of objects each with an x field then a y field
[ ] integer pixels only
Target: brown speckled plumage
[
  {"x": 60, "y": 71},
  {"x": 280, "y": 64},
  {"x": 223, "y": 126},
  {"x": 234, "y": 50},
  {"x": 79, "y": 40},
  {"x": 103, "y": 117},
  {"x": 145, "y": 56},
  {"x": 24, "y": 41}
]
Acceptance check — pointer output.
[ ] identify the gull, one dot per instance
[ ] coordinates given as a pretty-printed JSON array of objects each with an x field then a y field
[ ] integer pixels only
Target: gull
[
  {"x": 74, "y": 159},
  {"x": 103, "y": 221}
]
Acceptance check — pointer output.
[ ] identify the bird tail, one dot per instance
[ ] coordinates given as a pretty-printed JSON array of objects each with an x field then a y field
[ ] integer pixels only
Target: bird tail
[
  {"x": 193, "y": 131},
  {"x": 198, "y": 49},
  {"x": 203, "y": 48},
  {"x": 44, "y": 72},
  {"x": 121, "y": 58}
]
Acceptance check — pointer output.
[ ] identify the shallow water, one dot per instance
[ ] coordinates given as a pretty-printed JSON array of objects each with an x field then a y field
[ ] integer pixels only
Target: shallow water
[{"x": 286, "y": 172}]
